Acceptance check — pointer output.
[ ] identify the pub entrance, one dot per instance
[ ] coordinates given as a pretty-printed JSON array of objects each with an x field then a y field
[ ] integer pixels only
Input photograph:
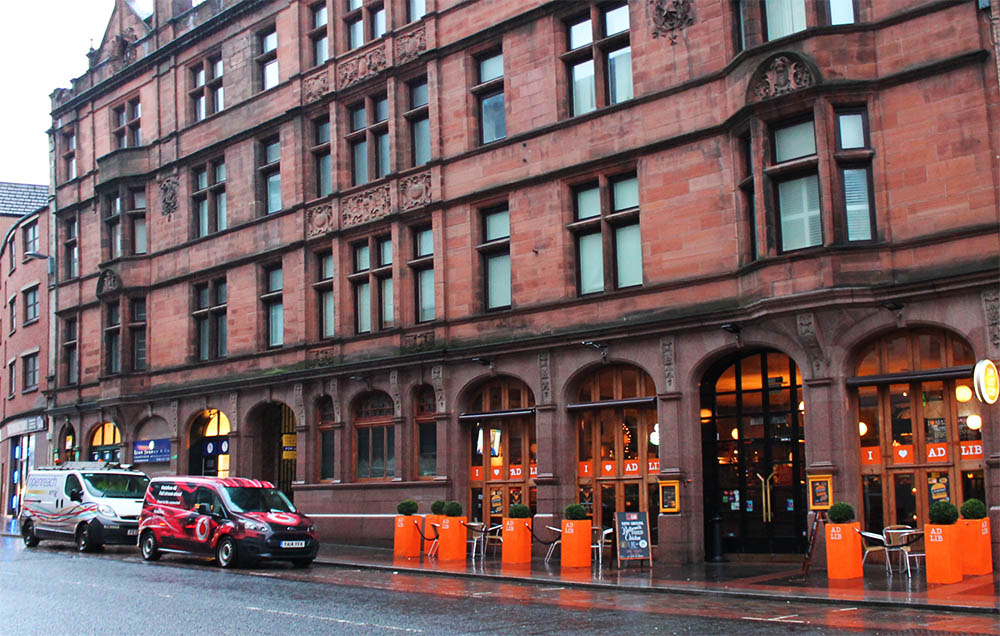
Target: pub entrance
[{"x": 753, "y": 449}]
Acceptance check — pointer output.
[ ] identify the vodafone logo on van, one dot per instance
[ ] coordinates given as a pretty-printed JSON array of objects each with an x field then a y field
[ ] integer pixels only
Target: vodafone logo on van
[{"x": 282, "y": 518}]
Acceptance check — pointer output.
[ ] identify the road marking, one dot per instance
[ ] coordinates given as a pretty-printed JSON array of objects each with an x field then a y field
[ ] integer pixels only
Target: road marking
[
  {"x": 334, "y": 620},
  {"x": 776, "y": 619},
  {"x": 847, "y": 609}
]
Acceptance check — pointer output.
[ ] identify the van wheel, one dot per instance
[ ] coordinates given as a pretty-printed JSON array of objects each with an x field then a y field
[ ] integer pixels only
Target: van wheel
[
  {"x": 84, "y": 542},
  {"x": 28, "y": 535},
  {"x": 148, "y": 547},
  {"x": 299, "y": 564},
  {"x": 225, "y": 553}
]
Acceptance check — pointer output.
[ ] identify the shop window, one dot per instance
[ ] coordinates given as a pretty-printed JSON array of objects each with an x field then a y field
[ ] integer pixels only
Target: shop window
[
  {"x": 375, "y": 452},
  {"x": 106, "y": 443},
  {"x": 209, "y": 452},
  {"x": 425, "y": 431},
  {"x": 327, "y": 439}
]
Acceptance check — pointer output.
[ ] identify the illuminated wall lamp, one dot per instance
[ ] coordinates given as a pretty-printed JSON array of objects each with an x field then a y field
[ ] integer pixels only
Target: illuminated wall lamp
[
  {"x": 974, "y": 422},
  {"x": 862, "y": 429},
  {"x": 963, "y": 393}
]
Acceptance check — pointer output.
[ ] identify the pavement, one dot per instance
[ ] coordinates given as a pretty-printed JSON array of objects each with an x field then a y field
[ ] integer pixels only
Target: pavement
[{"x": 765, "y": 579}]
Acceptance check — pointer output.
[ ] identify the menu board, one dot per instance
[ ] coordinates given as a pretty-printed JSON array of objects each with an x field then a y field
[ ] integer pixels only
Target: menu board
[
  {"x": 668, "y": 496},
  {"x": 820, "y": 492},
  {"x": 632, "y": 536}
]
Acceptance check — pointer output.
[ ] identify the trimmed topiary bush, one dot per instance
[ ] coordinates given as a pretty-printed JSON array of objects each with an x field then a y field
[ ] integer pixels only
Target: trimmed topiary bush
[
  {"x": 437, "y": 508},
  {"x": 942, "y": 513},
  {"x": 407, "y": 507},
  {"x": 519, "y": 511},
  {"x": 841, "y": 512},
  {"x": 575, "y": 512},
  {"x": 453, "y": 509},
  {"x": 973, "y": 509}
]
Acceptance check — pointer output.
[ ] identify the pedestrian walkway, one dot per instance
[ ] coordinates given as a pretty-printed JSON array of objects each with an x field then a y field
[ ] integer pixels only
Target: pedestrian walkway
[{"x": 767, "y": 580}]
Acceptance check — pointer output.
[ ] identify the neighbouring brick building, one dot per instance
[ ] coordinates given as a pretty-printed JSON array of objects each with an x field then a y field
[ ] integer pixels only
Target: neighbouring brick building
[
  {"x": 540, "y": 252},
  {"x": 24, "y": 337}
]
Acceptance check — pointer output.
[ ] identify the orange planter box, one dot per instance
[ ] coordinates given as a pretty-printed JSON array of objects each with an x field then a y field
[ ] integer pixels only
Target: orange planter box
[
  {"x": 516, "y": 541},
  {"x": 453, "y": 539},
  {"x": 406, "y": 536},
  {"x": 430, "y": 529},
  {"x": 575, "y": 543},
  {"x": 843, "y": 551},
  {"x": 977, "y": 552},
  {"x": 943, "y": 549}
]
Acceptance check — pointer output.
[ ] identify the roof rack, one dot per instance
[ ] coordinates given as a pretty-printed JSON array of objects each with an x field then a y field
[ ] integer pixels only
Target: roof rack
[{"x": 87, "y": 466}]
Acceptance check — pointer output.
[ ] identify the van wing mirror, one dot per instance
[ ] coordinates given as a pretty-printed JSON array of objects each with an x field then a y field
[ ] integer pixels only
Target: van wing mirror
[
  {"x": 76, "y": 495},
  {"x": 204, "y": 509}
]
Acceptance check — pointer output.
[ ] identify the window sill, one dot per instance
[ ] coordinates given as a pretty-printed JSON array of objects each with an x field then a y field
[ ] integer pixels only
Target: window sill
[
  {"x": 804, "y": 164},
  {"x": 30, "y": 389},
  {"x": 29, "y": 322}
]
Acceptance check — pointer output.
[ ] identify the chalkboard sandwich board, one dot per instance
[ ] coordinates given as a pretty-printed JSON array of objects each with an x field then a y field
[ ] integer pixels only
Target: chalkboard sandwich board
[{"x": 632, "y": 537}]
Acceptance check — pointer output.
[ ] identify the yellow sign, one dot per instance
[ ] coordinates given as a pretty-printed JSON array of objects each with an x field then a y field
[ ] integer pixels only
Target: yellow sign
[
  {"x": 288, "y": 446},
  {"x": 670, "y": 496},
  {"x": 986, "y": 381},
  {"x": 820, "y": 492}
]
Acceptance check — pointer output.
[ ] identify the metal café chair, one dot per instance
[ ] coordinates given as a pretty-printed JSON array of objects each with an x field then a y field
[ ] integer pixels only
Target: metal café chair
[
  {"x": 896, "y": 543},
  {"x": 867, "y": 539},
  {"x": 552, "y": 546},
  {"x": 494, "y": 537},
  {"x": 601, "y": 539}
]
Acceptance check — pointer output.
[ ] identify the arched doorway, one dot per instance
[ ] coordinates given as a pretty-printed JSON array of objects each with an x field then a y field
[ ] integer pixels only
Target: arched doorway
[
  {"x": 918, "y": 424},
  {"x": 106, "y": 443},
  {"x": 67, "y": 446},
  {"x": 501, "y": 436},
  {"x": 618, "y": 441},
  {"x": 209, "y": 451},
  {"x": 753, "y": 449},
  {"x": 275, "y": 445}
]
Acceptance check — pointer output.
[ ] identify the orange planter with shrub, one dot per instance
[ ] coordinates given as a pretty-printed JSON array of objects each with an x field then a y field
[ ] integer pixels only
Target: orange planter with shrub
[
  {"x": 977, "y": 550},
  {"x": 943, "y": 544},
  {"x": 432, "y": 522},
  {"x": 843, "y": 543},
  {"x": 453, "y": 535},
  {"x": 517, "y": 535},
  {"x": 575, "y": 543},
  {"x": 406, "y": 534}
]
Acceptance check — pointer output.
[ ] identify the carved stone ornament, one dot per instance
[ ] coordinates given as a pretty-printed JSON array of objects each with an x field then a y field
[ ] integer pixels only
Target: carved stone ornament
[
  {"x": 544, "y": 378},
  {"x": 437, "y": 381},
  {"x": 234, "y": 413},
  {"x": 108, "y": 283},
  {"x": 410, "y": 45},
  {"x": 175, "y": 416},
  {"x": 415, "y": 191},
  {"x": 314, "y": 87},
  {"x": 361, "y": 66},
  {"x": 397, "y": 401},
  {"x": 168, "y": 195},
  {"x": 366, "y": 206},
  {"x": 300, "y": 406},
  {"x": 670, "y": 17},
  {"x": 418, "y": 341},
  {"x": 781, "y": 74},
  {"x": 319, "y": 220},
  {"x": 805, "y": 324},
  {"x": 62, "y": 95},
  {"x": 667, "y": 349},
  {"x": 991, "y": 305},
  {"x": 333, "y": 390}
]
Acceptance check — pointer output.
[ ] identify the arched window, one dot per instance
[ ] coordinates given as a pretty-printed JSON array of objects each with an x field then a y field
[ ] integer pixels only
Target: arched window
[
  {"x": 375, "y": 442},
  {"x": 67, "y": 448},
  {"x": 210, "y": 444},
  {"x": 425, "y": 431},
  {"x": 105, "y": 443},
  {"x": 918, "y": 425}
]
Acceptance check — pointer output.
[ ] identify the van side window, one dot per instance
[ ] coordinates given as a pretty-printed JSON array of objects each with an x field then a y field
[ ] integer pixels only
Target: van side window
[
  {"x": 207, "y": 496},
  {"x": 72, "y": 483}
]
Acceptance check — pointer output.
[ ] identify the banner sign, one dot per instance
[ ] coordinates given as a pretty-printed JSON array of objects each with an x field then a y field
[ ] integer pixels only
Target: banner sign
[{"x": 151, "y": 450}]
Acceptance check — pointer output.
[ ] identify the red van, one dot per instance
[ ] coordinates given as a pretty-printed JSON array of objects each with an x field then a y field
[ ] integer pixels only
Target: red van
[{"x": 233, "y": 519}]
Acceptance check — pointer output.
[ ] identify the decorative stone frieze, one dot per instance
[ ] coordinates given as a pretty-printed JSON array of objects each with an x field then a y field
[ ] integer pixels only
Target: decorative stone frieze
[
  {"x": 667, "y": 350},
  {"x": 410, "y": 45},
  {"x": 361, "y": 66},
  {"x": 108, "y": 283},
  {"x": 319, "y": 220},
  {"x": 779, "y": 75},
  {"x": 415, "y": 191},
  {"x": 168, "y": 195},
  {"x": 366, "y": 206},
  {"x": 670, "y": 17},
  {"x": 314, "y": 87}
]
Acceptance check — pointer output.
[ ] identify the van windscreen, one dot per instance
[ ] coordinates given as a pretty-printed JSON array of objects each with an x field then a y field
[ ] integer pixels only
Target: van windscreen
[
  {"x": 116, "y": 485},
  {"x": 258, "y": 500}
]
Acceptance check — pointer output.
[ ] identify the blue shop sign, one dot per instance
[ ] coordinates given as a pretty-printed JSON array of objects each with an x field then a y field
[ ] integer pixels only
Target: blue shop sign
[{"x": 151, "y": 450}]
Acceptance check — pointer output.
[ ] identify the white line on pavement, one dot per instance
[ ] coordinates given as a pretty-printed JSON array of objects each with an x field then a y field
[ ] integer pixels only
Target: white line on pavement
[{"x": 334, "y": 620}]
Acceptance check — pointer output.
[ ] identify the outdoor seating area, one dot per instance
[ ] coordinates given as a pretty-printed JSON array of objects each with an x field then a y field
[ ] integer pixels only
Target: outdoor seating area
[{"x": 896, "y": 540}]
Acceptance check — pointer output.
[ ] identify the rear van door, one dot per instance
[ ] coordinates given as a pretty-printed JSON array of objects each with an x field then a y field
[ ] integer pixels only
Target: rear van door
[{"x": 42, "y": 500}]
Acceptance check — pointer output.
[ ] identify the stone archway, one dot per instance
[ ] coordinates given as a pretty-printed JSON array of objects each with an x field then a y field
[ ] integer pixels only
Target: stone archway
[{"x": 272, "y": 444}]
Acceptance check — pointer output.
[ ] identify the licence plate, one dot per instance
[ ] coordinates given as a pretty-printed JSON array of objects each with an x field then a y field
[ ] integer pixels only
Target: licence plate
[
  {"x": 132, "y": 532},
  {"x": 293, "y": 544}
]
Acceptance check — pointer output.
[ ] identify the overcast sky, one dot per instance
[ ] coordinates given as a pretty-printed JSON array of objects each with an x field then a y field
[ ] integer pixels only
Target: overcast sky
[{"x": 43, "y": 44}]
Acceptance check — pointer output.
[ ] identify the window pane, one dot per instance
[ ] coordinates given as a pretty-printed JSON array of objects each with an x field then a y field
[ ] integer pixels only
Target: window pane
[
  {"x": 326, "y": 454},
  {"x": 270, "y": 74},
  {"x": 356, "y": 34},
  {"x": 418, "y": 95},
  {"x": 841, "y": 12},
  {"x": 272, "y": 152},
  {"x": 382, "y": 160},
  {"x": 620, "y": 75},
  {"x": 273, "y": 192},
  {"x": 362, "y": 260},
  {"x": 427, "y": 449},
  {"x": 795, "y": 141},
  {"x": 497, "y": 225},
  {"x": 588, "y": 203},
  {"x": 417, "y": 9},
  {"x": 323, "y": 175},
  {"x": 220, "y": 330},
  {"x": 326, "y": 302},
  {"x": 784, "y": 17},
  {"x": 269, "y": 42},
  {"x": 326, "y": 266},
  {"x": 628, "y": 253},
  {"x": 382, "y": 110},
  {"x": 625, "y": 194},
  {"x": 276, "y": 324},
  {"x": 364, "y": 451},
  {"x": 359, "y": 154},
  {"x": 798, "y": 201},
  {"x": 139, "y": 230},
  {"x": 491, "y": 68},
  {"x": 379, "y": 24},
  {"x": 492, "y": 118},
  {"x": 425, "y": 291},
  {"x": 580, "y": 34},
  {"x": 859, "y": 226},
  {"x": 616, "y": 20},
  {"x": 363, "y": 309},
  {"x": 421, "y": 141},
  {"x": 498, "y": 277},
  {"x": 320, "y": 49},
  {"x": 275, "y": 280},
  {"x": 852, "y": 130},
  {"x": 591, "y": 263},
  {"x": 220, "y": 211},
  {"x": 385, "y": 252},
  {"x": 425, "y": 243},
  {"x": 388, "y": 308},
  {"x": 583, "y": 88},
  {"x": 358, "y": 118}
]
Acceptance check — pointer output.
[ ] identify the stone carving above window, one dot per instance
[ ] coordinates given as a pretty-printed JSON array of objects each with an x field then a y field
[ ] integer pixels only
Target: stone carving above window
[
  {"x": 784, "y": 73},
  {"x": 168, "y": 195},
  {"x": 670, "y": 17},
  {"x": 366, "y": 206},
  {"x": 320, "y": 220},
  {"x": 415, "y": 191},
  {"x": 108, "y": 283},
  {"x": 410, "y": 45},
  {"x": 314, "y": 87},
  {"x": 361, "y": 66}
]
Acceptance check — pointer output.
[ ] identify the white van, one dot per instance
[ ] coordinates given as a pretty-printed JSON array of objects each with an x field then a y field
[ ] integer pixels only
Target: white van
[{"x": 91, "y": 503}]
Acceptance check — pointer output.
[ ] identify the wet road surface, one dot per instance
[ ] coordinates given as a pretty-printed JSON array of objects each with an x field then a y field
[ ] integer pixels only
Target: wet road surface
[{"x": 52, "y": 589}]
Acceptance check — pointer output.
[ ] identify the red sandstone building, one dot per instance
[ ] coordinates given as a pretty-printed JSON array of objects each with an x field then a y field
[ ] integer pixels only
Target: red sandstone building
[{"x": 538, "y": 252}]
